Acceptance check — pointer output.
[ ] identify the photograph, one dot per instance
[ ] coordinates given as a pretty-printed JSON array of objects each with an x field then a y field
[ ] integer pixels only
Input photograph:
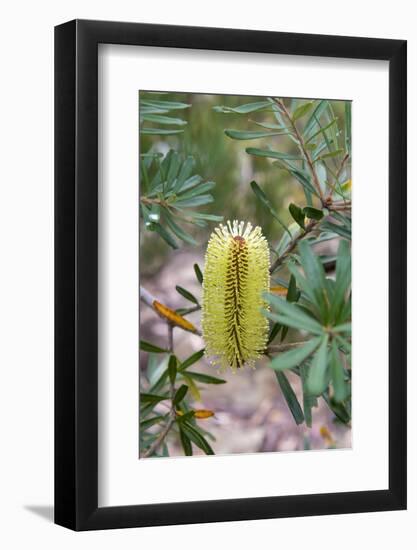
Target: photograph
[
  {"x": 244, "y": 274},
  {"x": 182, "y": 269}
]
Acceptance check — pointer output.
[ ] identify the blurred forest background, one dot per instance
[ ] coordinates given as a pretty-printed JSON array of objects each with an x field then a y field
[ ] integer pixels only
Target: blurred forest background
[{"x": 250, "y": 412}]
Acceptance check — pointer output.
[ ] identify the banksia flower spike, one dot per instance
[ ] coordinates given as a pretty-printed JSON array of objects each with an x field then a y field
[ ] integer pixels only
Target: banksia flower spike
[{"x": 236, "y": 273}]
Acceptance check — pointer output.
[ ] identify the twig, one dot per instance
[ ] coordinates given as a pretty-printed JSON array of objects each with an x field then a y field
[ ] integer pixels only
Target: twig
[
  {"x": 328, "y": 199},
  {"x": 284, "y": 347},
  {"x": 160, "y": 439},
  {"x": 309, "y": 227},
  {"x": 303, "y": 149},
  {"x": 344, "y": 160},
  {"x": 337, "y": 207},
  {"x": 172, "y": 413},
  {"x": 190, "y": 310}
]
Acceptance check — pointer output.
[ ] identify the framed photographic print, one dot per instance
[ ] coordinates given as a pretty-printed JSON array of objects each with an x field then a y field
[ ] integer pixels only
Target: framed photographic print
[{"x": 230, "y": 275}]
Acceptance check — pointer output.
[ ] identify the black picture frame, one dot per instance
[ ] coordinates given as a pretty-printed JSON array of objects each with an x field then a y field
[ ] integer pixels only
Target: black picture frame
[{"x": 76, "y": 272}]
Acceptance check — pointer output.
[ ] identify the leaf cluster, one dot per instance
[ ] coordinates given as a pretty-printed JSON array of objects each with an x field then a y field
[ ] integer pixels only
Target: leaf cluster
[
  {"x": 322, "y": 309},
  {"x": 170, "y": 194},
  {"x": 171, "y": 382}
]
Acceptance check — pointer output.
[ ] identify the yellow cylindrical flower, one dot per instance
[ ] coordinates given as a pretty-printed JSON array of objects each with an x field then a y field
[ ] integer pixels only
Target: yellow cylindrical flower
[{"x": 236, "y": 273}]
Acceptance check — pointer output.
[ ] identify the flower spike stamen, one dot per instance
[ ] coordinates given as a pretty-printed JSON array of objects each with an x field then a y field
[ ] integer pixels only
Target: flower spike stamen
[{"x": 236, "y": 274}]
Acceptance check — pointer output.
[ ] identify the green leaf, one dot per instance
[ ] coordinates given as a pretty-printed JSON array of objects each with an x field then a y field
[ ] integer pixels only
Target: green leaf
[
  {"x": 284, "y": 333},
  {"x": 205, "y": 378},
  {"x": 294, "y": 231},
  {"x": 270, "y": 126},
  {"x": 196, "y": 190},
  {"x": 194, "y": 201},
  {"x": 302, "y": 110},
  {"x": 337, "y": 374},
  {"x": 177, "y": 230},
  {"x": 267, "y": 204},
  {"x": 160, "y": 119},
  {"x": 190, "y": 182},
  {"x": 333, "y": 130},
  {"x": 243, "y": 109},
  {"x": 184, "y": 173},
  {"x": 290, "y": 398},
  {"x": 172, "y": 369},
  {"x": 147, "y": 346},
  {"x": 144, "y": 110},
  {"x": 271, "y": 154},
  {"x": 156, "y": 365},
  {"x": 315, "y": 277},
  {"x": 345, "y": 346},
  {"x": 343, "y": 280},
  {"x": 198, "y": 273},
  {"x": 156, "y": 387},
  {"x": 196, "y": 437},
  {"x": 309, "y": 401},
  {"x": 174, "y": 166},
  {"x": 195, "y": 392},
  {"x": 165, "y": 165},
  {"x": 158, "y": 228},
  {"x": 313, "y": 213},
  {"x": 145, "y": 424},
  {"x": 297, "y": 214},
  {"x": 187, "y": 295},
  {"x": 344, "y": 327},
  {"x": 180, "y": 394},
  {"x": 245, "y": 135},
  {"x": 348, "y": 126},
  {"x": 186, "y": 443},
  {"x": 146, "y": 398},
  {"x": 307, "y": 288},
  {"x": 191, "y": 360},
  {"x": 294, "y": 357},
  {"x": 168, "y": 105},
  {"x": 322, "y": 130},
  {"x": 159, "y": 131},
  {"x": 144, "y": 177},
  {"x": 274, "y": 332},
  {"x": 293, "y": 293},
  {"x": 316, "y": 382},
  {"x": 302, "y": 177},
  {"x": 338, "y": 409},
  {"x": 314, "y": 117},
  {"x": 186, "y": 416},
  {"x": 204, "y": 216},
  {"x": 330, "y": 155},
  {"x": 340, "y": 230},
  {"x": 292, "y": 315}
]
